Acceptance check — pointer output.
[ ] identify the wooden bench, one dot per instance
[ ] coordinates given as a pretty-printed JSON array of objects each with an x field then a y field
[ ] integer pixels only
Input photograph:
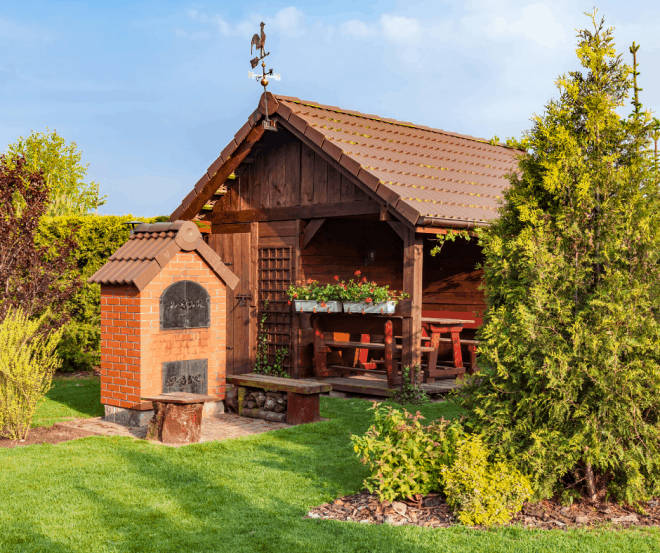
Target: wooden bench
[
  {"x": 302, "y": 404},
  {"x": 177, "y": 417}
]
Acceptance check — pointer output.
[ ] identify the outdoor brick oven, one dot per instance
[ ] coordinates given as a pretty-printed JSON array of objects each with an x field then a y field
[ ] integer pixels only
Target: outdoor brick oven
[{"x": 163, "y": 320}]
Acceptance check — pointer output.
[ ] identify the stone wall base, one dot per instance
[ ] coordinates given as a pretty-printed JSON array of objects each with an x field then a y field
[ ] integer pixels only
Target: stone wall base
[{"x": 134, "y": 417}]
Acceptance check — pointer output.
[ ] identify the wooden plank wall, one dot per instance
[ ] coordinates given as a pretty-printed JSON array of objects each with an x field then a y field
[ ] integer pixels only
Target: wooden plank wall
[
  {"x": 288, "y": 175},
  {"x": 451, "y": 280},
  {"x": 340, "y": 247}
]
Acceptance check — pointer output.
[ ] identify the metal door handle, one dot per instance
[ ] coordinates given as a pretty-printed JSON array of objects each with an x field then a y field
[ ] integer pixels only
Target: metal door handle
[{"x": 229, "y": 347}]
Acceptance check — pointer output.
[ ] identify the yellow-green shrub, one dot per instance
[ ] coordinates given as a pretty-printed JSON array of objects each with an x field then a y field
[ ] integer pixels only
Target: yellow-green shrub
[
  {"x": 27, "y": 364},
  {"x": 483, "y": 493}
]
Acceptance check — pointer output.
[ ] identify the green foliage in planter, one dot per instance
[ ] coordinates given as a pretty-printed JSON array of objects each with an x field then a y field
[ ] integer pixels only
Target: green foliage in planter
[
  {"x": 569, "y": 387},
  {"x": 98, "y": 237},
  {"x": 483, "y": 493},
  {"x": 405, "y": 457},
  {"x": 27, "y": 364},
  {"x": 355, "y": 290}
]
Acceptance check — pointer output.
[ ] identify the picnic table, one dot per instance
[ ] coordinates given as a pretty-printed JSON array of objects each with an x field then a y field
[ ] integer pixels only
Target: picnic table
[{"x": 390, "y": 327}]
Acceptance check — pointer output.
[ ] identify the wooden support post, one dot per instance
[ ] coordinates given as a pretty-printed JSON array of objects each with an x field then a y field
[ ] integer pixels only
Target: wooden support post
[
  {"x": 320, "y": 352},
  {"x": 413, "y": 248},
  {"x": 390, "y": 367}
]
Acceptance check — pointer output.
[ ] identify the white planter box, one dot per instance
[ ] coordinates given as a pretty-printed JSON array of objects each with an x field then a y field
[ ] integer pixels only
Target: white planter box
[
  {"x": 309, "y": 306},
  {"x": 384, "y": 308}
]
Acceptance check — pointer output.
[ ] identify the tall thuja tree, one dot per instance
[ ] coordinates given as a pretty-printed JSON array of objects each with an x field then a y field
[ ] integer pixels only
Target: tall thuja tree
[{"x": 570, "y": 347}]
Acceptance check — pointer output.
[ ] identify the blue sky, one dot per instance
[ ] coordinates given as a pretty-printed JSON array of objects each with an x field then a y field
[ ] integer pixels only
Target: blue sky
[{"x": 151, "y": 92}]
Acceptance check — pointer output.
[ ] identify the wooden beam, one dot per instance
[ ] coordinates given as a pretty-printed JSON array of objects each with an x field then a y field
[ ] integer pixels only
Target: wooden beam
[
  {"x": 413, "y": 249},
  {"x": 314, "y": 211},
  {"x": 223, "y": 173},
  {"x": 399, "y": 228},
  {"x": 385, "y": 215},
  {"x": 310, "y": 231}
]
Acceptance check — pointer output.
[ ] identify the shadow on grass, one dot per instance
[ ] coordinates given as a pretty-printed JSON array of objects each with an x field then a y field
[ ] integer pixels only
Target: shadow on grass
[{"x": 69, "y": 399}]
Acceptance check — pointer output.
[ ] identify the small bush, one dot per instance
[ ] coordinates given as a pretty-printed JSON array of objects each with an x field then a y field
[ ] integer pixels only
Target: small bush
[
  {"x": 405, "y": 457},
  {"x": 483, "y": 493},
  {"x": 411, "y": 393},
  {"x": 27, "y": 364}
]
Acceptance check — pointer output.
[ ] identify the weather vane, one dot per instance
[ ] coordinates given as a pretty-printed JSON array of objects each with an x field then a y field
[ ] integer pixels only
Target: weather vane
[{"x": 259, "y": 41}]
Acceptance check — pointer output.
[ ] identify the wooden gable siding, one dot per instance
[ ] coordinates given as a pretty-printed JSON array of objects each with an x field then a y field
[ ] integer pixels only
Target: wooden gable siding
[{"x": 290, "y": 174}]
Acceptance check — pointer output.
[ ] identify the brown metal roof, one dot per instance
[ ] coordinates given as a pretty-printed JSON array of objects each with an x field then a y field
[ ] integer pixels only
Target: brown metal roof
[
  {"x": 429, "y": 176},
  {"x": 150, "y": 248}
]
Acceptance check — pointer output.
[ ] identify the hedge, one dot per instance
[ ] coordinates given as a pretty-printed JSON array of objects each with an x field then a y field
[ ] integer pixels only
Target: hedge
[{"x": 98, "y": 237}]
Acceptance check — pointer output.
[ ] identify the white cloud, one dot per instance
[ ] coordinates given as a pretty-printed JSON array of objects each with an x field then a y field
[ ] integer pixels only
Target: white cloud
[
  {"x": 538, "y": 23},
  {"x": 398, "y": 28},
  {"x": 288, "y": 22},
  {"x": 358, "y": 29}
]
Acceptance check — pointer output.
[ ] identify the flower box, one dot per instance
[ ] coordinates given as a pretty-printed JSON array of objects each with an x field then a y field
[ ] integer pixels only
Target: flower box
[
  {"x": 311, "y": 306},
  {"x": 363, "y": 307}
]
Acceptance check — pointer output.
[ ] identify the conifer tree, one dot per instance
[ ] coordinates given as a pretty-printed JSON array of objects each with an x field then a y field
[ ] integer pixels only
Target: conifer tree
[{"x": 569, "y": 386}]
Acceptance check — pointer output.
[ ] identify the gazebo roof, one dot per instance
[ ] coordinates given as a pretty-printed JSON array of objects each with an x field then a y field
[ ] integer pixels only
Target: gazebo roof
[{"x": 429, "y": 176}]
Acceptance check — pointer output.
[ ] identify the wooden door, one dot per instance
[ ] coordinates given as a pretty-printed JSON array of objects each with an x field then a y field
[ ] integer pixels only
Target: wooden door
[{"x": 235, "y": 250}]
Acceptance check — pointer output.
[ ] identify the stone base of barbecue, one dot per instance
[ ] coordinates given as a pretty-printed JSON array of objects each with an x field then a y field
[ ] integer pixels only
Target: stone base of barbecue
[
  {"x": 127, "y": 417},
  {"x": 140, "y": 418}
]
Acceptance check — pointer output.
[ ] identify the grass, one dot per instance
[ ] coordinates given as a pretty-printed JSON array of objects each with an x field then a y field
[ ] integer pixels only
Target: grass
[
  {"x": 244, "y": 495},
  {"x": 69, "y": 399}
]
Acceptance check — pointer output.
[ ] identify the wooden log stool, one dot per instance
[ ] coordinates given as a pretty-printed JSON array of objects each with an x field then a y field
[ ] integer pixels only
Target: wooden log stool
[{"x": 177, "y": 417}]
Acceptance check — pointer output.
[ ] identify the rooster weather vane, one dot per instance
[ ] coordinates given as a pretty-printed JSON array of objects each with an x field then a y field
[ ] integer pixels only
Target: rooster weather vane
[{"x": 259, "y": 41}]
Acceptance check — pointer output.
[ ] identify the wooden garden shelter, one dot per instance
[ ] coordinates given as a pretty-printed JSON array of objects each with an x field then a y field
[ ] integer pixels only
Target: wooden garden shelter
[{"x": 312, "y": 199}]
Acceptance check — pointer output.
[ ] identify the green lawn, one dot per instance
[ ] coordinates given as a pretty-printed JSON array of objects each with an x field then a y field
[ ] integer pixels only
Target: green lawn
[
  {"x": 243, "y": 495},
  {"x": 69, "y": 399}
]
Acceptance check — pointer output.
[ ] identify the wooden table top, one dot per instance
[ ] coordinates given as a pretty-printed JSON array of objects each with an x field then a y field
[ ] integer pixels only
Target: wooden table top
[{"x": 180, "y": 397}]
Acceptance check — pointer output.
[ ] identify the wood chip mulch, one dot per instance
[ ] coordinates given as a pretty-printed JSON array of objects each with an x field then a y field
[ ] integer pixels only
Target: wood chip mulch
[{"x": 433, "y": 511}]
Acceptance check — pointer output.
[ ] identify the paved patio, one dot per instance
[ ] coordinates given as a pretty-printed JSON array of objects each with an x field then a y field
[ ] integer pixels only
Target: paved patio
[{"x": 220, "y": 427}]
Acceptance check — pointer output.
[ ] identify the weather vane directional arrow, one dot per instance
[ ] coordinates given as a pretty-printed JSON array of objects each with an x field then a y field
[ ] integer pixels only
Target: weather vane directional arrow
[{"x": 259, "y": 41}]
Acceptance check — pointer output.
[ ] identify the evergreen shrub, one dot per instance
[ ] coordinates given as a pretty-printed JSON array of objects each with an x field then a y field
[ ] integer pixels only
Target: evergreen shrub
[{"x": 569, "y": 355}]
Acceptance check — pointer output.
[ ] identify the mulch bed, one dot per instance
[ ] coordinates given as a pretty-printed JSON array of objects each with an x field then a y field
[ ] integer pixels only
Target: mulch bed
[
  {"x": 47, "y": 435},
  {"x": 433, "y": 511}
]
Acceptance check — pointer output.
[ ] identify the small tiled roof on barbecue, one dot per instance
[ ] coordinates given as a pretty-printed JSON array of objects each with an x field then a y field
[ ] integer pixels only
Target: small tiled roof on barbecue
[
  {"x": 420, "y": 171},
  {"x": 149, "y": 250}
]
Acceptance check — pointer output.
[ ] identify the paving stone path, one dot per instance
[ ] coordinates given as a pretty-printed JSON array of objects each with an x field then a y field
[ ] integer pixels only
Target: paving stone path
[{"x": 220, "y": 427}]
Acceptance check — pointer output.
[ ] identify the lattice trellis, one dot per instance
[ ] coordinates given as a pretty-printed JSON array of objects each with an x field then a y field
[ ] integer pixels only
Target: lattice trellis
[{"x": 274, "y": 280}]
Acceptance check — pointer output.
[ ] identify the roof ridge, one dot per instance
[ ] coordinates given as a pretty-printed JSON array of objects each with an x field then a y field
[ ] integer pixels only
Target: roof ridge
[{"x": 390, "y": 121}]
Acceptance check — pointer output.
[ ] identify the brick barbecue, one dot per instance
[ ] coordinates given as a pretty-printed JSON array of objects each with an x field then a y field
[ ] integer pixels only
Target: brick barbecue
[{"x": 163, "y": 320}]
